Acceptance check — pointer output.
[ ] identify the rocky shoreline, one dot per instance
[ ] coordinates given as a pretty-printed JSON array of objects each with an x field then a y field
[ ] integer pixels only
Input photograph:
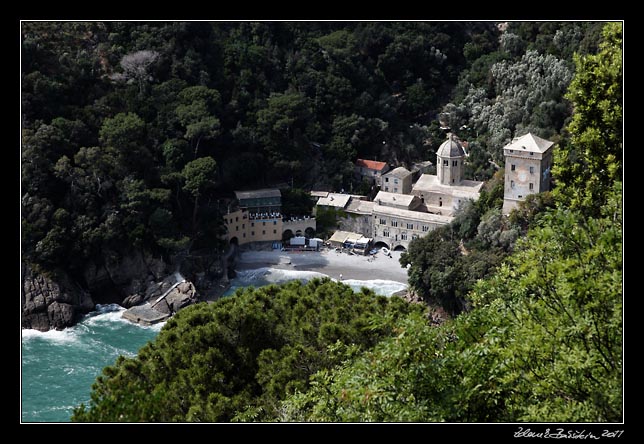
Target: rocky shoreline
[{"x": 135, "y": 281}]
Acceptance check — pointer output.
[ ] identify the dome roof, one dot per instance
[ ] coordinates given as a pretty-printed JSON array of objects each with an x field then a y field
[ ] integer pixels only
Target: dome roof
[{"x": 451, "y": 148}]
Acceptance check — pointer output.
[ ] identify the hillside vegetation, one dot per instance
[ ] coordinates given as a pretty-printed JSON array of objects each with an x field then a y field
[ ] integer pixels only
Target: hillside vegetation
[{"x": 133, "y": 132}]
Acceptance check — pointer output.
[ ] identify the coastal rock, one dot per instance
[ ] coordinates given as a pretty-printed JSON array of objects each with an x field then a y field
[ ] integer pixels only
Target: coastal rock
[
  {"x": 60, "y": 315},
  {"x": 132, "y": 300},
  {"x": 160, "y": 300},
  {"x": 121, "y": 275},
  {"x": 181, "y": 296},
  {"x": 49, "y": 302}
]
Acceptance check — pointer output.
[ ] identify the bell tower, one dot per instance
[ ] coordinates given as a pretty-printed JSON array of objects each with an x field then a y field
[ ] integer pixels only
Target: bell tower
[{"x": 449, "y": 161}]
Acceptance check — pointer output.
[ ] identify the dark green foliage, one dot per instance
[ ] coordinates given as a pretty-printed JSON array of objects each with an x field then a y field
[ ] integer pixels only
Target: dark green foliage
[
  {"x": 272, "y": 103},
  {"x": 238, "y": 358},
  {"x": 542, "y": 344},
  {"x": 296, "y": 202},
  {"x": 587, "y": 165}
]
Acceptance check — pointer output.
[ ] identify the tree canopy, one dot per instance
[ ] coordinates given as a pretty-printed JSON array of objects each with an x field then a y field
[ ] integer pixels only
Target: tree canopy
[{"x": 236, "y": 359}]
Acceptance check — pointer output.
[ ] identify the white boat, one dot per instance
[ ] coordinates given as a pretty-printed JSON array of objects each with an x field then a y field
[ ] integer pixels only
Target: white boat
[{"x": 385, "y": 251}]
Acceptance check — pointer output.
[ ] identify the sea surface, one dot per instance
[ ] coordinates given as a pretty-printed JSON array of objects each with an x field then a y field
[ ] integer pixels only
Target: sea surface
[{"x": 59, "y": 367}]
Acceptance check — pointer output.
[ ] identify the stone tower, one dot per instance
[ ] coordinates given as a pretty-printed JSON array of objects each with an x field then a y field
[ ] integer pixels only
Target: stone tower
[
  {"x": 527, "y": 169},
  {"x": 449, "y": 161}
]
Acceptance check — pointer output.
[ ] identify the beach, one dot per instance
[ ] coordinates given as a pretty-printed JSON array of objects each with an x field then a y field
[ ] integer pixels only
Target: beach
[{"x": 340, "y": 266}]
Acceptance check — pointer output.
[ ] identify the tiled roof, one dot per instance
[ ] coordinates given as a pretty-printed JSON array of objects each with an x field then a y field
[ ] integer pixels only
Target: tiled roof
[
  {"x": 529, "y": 142},
  {"x": 394, "y": 199},
  {"x": 256, "y": 194},
  {"x": 466, "y": 189},
  {"x": 334, "y": 200},
  {"x": 418, "y": 216},
  {"x": 400, "y": 172},
  {"x": 371, "y": 164}
]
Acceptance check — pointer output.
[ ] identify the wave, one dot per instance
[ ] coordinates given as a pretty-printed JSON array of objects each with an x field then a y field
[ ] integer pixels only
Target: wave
[
  {"x": 267, "y": 275},
  {"x": 60, "y": 336},
  {"x": 379, "y": 286}
]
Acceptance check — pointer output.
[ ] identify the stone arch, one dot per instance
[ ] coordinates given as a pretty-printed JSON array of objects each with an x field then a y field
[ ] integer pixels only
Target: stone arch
[
  {"x": 287, "y": 234},
  {"x": 381, "y": 244},
  {"x": 400, "y": 248},
  {"x": 309, "y": 232},
  {"x": 298, "y": 232},
  {"x": 234, "y": 241}
]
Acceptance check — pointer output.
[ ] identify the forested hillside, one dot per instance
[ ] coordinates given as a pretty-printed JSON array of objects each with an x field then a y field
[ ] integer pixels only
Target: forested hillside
[
  {"x": 536, "y": 297},
  {"x": 133, "y": 132}
]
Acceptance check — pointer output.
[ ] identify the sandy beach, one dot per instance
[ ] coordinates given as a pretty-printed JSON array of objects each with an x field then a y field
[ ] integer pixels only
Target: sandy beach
[{"x": 334, "y": 264}]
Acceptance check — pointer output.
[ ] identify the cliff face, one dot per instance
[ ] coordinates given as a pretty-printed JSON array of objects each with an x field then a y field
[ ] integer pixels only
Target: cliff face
[
  {"x": 49, "y": 304},
  {"x": 58, "y": 302},
  {"x": 125, "y": 279}
]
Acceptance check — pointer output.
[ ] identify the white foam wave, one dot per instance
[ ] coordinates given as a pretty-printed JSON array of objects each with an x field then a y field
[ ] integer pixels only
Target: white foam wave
[
  {"x": 379, "y": 286},
  {"x": 105, "y": 314},
  {"x": 59, "y": 336},
  {"x": 274, "y": 276},
  {"x": 266, "y": 275}
]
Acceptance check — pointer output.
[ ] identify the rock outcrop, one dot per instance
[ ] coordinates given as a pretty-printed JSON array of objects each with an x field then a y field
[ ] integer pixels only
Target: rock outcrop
[
  {"x": 122, "y": 275},
  {"x": 51, "y": 304},
  {"x": 160, "y": 300}
]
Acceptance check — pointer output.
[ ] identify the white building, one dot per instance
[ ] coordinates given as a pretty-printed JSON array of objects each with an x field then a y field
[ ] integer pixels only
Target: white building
[
  {"x": 527, "y": 169},
  {"x": 444, "y": 193}
]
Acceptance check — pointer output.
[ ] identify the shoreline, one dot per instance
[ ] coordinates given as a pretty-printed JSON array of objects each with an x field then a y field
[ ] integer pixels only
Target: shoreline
[{"x": 340, "y": 266}]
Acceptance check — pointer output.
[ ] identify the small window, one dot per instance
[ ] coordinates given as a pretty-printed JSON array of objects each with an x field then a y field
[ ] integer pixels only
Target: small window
[
  {"x": 511, "y": 184},
  {"x": 383, "y": 222},
  {"x": 243, "y": 226},
  {"x": 410, "y": 226},
  {"x": 531, "y": 170},
  {"x": 403, "y": 236},
  {"x": 512, "y": 167},
  {"x": 252, "y": 224},
  {"x": 531, "y": 186},
  {"x": 236, "y": 219},
  {"x": 396, "y": 181},
  {"x": 274, "y": 231},
  {"x": 386, "y": 179},
  {"x": 385, "y": 233},
  {"x": 386, "y": 188},
  {"x": 264, "y": 223},
  {"x": 394, "y": 223},
  {"x": 237, "y": 228},
  {"x": 455, "y": 163},
  {"x": 243, "y": 234},
  {"x": 252, "y": 233},
  {"x": 395, "y": 190},
  {"x": 531, "y": 153},
  {"x": 263, "y": 231},
  {"x": 274, "y": 222},
  {"x": 446, "y": 162},
  {"x": 425, "y": 228}
]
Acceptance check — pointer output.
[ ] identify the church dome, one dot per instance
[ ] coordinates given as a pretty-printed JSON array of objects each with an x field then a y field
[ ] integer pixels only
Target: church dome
[{"x": 451, "y": 148}]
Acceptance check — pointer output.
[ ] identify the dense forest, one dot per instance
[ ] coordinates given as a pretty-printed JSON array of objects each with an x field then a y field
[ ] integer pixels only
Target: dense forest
[{"x": 135, "y": 133}]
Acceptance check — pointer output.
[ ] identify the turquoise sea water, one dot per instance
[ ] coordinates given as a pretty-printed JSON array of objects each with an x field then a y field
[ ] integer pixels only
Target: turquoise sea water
[{"x": 59, "y": 367}]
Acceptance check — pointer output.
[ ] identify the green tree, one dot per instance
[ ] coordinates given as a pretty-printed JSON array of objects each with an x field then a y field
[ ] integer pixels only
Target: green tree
[
  {"x": 237, "y": 358},
  {"x": 542, "y": 344},
  {"x": 196, "y": 113},
  {"x": 199, "y": 176},
  {"x": 587, "y": 165}
]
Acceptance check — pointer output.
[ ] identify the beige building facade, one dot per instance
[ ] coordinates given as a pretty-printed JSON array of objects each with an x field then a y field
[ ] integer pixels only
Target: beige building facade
[
  {"x": 398, "y": 180},
  {"x": 528, "y": 160},
  {"x": 257, "y": 217}
]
